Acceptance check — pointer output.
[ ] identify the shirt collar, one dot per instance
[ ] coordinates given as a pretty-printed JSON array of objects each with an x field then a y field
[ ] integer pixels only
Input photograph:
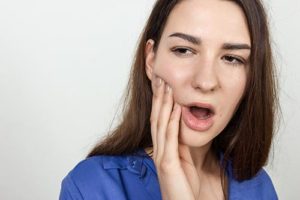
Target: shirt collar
[{"x": 132, "y": 162}]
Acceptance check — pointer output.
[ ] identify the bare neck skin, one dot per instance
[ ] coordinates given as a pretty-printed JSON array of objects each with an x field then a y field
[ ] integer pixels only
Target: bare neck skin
[
  {"x": 207, "y": 167},
  {"x": 201, "y": 157}
]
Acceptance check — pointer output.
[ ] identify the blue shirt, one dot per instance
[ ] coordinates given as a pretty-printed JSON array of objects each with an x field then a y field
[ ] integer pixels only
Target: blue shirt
[{"x": 134, "y": 177}]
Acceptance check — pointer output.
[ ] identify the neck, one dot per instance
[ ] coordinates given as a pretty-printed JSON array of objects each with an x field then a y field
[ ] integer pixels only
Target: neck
[{"x": 202, "y": 157}]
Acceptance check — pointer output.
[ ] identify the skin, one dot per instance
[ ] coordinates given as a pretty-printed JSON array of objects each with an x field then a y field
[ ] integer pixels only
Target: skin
[{"x": 183, "y": 72}]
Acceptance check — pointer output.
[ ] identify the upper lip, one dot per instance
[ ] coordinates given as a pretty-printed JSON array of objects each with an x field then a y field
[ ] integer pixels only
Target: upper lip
[{"x": 202, "y": 105}]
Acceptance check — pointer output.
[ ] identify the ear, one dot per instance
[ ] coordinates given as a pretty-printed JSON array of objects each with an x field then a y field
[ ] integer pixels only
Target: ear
[{"x": 149, "y": 58}]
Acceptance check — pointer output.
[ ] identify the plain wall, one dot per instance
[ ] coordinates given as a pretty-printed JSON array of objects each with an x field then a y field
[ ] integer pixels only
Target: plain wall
[{"x": 63, "y": 68}]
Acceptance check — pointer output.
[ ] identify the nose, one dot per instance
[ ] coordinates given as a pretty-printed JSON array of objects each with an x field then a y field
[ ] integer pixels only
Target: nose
[{"x": 205, "y": 77}]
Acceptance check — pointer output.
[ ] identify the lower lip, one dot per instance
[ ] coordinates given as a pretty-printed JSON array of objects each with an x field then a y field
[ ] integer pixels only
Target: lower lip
[{"x": 194, "y": 123}]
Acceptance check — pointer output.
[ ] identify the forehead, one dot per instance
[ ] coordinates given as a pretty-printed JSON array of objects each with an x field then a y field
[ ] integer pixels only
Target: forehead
[{"x": 216, "y": 20}]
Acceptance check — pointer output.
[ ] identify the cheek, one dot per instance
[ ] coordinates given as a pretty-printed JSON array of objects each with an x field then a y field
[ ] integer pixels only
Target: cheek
[
  {"x": 233, "y": 92},
  {"x": 176, "y": 77},
  {"x": 173, "y": 75},
  {"x": 237, "y": 86},
  {"x": 233, "y": 81}
]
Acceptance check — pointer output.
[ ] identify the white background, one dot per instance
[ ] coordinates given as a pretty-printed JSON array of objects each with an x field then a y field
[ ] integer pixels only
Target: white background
[{"x": 63, "y": 68}]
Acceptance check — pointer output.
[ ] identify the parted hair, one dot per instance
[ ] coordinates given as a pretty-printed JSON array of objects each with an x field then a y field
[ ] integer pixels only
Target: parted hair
[{"x": 247, "y": 138}]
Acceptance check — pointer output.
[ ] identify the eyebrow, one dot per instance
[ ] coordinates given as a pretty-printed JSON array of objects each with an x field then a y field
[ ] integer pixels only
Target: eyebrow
[
  {"x": 189, "y": 38},
  {"x": 235, "y": 46},
  {"x": 197, "y": 41}
]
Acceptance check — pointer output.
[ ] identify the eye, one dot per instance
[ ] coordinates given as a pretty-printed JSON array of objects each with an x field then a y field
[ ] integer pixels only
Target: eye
[
  {"x": 233, "y": 60},
  {"x": 182, "y": 51}
]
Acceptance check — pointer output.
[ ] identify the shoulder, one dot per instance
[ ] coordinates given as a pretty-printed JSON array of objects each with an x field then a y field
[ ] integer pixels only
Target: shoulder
[
  {"x": 258, "y": 187},
  {"x": 88, "y": 168},
  {"x": 84, "y": 178},
  {"x": 96, "y": 177}
]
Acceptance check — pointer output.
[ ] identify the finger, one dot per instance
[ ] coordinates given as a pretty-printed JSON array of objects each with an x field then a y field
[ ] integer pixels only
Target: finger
[
  {"x": 158, "y": 90},
  {"x": 163, "y": 119},
  {"x": 171, "y": 145}
]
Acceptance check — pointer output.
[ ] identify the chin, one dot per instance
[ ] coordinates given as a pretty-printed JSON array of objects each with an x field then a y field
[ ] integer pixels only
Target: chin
[{"x": 194, "y": 138}]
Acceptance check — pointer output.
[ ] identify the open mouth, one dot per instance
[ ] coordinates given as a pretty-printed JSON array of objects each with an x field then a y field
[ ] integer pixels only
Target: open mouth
[
  {"x": 198, "y": 116},
  {"x": 201, "y": 112}
]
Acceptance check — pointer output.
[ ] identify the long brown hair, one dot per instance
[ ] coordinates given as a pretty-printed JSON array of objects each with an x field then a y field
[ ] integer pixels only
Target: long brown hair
[{"x": 247, "y": 138}]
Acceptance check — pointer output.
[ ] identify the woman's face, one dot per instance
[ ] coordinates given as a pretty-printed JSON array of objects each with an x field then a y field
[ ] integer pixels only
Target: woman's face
[{"x": 203, "y": 55}]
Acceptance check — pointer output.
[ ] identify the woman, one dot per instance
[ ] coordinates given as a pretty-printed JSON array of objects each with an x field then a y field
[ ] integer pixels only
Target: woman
[{"x": 199, "y": 114}]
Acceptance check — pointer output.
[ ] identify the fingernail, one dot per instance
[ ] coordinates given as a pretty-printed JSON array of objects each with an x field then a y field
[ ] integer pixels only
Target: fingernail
[
  {"x": 158, "y": 81},
  {"x": 168, "y": 89}
]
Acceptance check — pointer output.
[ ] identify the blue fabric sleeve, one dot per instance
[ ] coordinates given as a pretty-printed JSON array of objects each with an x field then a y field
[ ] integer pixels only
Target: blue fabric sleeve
[
  {"x": 69, "y": 190},
  {"x": 267, "y": 188},
  {"x": 259, "y": 187}
]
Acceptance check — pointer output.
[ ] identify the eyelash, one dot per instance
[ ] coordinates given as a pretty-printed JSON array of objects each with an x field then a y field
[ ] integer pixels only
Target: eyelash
[
  {"x": 238, "y": 61},
  {"x": 178, "y": 51}
]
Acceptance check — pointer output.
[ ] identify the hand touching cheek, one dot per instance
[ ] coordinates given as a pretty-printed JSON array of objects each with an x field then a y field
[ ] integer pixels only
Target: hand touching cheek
[{"x": 165, "y": 120}]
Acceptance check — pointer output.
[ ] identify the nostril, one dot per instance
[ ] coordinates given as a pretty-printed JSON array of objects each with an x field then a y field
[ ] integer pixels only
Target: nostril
[{"x": 206, "y": 82}]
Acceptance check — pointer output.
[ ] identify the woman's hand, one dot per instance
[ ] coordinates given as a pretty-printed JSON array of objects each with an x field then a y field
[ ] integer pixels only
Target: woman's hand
[{"x": 178, "y": 179}]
